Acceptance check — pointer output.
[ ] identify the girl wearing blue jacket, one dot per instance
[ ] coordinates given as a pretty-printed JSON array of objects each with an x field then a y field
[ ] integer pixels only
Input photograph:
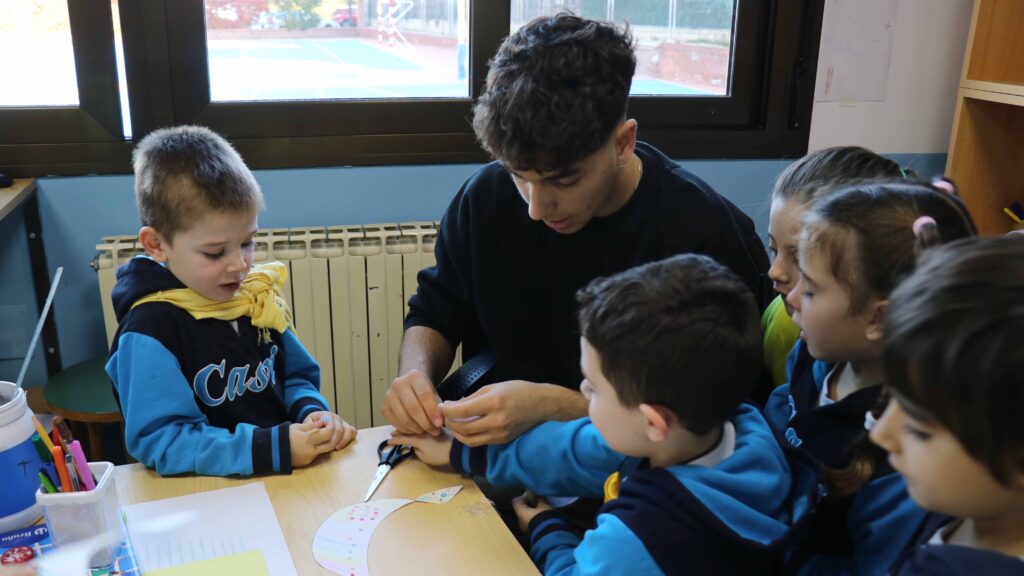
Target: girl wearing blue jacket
[{"x": 855, "y": 246}]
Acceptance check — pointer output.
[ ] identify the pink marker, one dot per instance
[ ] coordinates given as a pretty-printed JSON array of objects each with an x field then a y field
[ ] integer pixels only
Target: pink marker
[{"x": 84, "y": 474}]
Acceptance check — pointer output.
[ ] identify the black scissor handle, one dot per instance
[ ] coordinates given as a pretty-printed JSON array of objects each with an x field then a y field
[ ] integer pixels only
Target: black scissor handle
[{"x": 393, "y": 456}]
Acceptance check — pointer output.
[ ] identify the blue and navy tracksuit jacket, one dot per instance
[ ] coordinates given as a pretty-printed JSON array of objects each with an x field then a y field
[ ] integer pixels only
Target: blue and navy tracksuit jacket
[
  {"x": 924, "y": 559},
  {"x": 860, "y": 534},
  {"x": 196, "y": 395},
  {"x": 733, "y": 518}
]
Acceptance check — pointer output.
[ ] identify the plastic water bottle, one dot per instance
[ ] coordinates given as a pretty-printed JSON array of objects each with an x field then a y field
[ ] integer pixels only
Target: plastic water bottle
[{"x": 19, "y": 461}]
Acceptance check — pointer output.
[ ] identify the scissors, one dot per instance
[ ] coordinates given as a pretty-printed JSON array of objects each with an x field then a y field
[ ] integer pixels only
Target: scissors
[{"x": 387, "y": 461}]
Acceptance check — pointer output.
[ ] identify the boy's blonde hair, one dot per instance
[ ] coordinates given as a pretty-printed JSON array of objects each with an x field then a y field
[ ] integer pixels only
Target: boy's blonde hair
[{"x": 183, "y": 171}]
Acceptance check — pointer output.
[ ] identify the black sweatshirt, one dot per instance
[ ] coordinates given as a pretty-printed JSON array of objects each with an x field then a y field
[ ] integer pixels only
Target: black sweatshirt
[{"x": 506, "y": 283}]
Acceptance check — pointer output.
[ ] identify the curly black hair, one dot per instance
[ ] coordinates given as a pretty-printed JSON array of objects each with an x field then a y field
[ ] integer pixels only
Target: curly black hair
[{"x": 556, "y": 90}]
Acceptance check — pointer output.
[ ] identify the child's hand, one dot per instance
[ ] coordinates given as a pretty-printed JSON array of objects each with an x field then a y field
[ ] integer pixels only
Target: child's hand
[
  {"x": 342, "y": 433},
  {"x": 308, "y": 440},
  {"x": 525, "y": 512},
  {"x": 433, "y": 450}
]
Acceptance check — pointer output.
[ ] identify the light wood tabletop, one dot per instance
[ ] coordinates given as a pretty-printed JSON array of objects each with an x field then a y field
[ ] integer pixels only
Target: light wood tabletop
[
  {"x": 462, "y": 536},
  {"x": 12, "y": 196}
]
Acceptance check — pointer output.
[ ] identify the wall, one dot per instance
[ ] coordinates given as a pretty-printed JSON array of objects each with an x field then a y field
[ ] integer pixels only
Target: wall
[
  {"x": 917, "y": 114},
  {"x": 18, "y": 311}
]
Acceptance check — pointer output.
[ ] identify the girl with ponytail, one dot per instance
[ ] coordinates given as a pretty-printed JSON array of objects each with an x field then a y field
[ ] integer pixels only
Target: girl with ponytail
[{"x": 856, "y": 245}]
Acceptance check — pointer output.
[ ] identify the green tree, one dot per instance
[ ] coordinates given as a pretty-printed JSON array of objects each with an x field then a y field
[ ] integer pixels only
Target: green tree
[{"x": 299, "y": 14}]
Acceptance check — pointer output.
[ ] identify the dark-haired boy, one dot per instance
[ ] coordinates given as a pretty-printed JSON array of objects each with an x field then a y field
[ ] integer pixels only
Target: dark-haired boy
[
  {"x": 694, "y": 481},
  {"x": 571, "y": 196}
]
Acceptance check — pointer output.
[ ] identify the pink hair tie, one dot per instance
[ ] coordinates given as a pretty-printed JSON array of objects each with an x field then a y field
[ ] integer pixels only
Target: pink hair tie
[
  {"x": 945, "y": 186},
  {"x": 920, "y": 222}
]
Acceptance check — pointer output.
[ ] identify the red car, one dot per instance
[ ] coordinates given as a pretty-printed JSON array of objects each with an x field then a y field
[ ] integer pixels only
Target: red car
[{"x": 346, "y": 17}]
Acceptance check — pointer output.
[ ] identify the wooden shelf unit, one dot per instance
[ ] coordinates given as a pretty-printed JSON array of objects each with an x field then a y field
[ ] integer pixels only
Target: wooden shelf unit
[{"x": 986, "y": 149}]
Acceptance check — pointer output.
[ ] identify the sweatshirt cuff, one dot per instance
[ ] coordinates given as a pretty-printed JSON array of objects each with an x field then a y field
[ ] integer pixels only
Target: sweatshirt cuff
[
  {"x": 415, "y": 318},
  {"x": 302, "y": 408},
  {"x": 545, "y": 523},
  {"x": 466, "y": 460},
  {"x": 271, "y": 450}
]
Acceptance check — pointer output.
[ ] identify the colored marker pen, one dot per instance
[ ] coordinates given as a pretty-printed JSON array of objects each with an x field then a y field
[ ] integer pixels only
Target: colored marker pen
[
  {"x": 42, "y": 432},
  {"x": 84, "y": 474},
  {"x": 69, "y": 463},
  {"x": 62, "y": 469},
  {"x": 44, "y": 452},
  {"x": 48, "y": 486},
  {"x": 50, "y": 470}
]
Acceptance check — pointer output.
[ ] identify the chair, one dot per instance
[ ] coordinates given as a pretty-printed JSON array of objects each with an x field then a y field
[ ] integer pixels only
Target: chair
[{"x": 83, "y": 393}]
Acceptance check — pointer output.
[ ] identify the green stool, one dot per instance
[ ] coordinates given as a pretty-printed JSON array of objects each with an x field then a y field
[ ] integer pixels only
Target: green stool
[{"x": 83, "y": 393}]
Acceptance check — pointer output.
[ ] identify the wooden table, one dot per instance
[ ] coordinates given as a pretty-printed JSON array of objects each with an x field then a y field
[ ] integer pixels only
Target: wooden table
[
  {"x": 12, "y": 196},
  {"x": 463, "y": 536}
]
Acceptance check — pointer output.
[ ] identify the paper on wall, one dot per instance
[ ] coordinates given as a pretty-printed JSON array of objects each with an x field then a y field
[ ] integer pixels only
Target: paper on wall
[{"x": 856, "y": 49}]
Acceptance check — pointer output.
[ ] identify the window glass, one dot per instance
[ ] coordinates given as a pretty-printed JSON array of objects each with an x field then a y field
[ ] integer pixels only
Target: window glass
[
  {"x": 36, "y": 55},
  {"x": 122, "y": 83},
  {"x": 684, "y": 47},
  {"x": 337, "y": 49}
]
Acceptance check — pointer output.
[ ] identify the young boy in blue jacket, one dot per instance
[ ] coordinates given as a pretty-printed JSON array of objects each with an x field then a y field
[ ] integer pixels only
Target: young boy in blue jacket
[
  {"x": 208, "y": 373},
  {"x": 693, "y": 480}
]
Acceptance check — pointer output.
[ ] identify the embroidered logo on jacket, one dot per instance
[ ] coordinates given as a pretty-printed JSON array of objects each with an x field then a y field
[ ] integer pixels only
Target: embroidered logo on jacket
[
  {"x": 238, "y": 381},
  {"x": 791, "y": 434}
]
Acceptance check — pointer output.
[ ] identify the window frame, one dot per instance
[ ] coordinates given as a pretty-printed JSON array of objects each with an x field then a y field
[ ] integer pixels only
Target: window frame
[
  {"x": 767, "y": 115},
  {"x": 30, "y": 135}
]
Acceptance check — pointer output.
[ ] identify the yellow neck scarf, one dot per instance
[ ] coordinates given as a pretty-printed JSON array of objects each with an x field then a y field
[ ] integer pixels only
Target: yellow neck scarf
[
  {"x": 259, "y": 297},
  {"x": 611, "y": 487}
]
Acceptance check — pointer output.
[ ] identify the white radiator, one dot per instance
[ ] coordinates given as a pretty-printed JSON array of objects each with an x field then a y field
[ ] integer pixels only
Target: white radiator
[{"x": 349, "y": 289}]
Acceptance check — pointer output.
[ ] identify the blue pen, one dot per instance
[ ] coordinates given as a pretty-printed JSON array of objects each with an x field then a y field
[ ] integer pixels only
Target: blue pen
[
  {"x": 1017, "y": 209},
  {"x": 325, "y": 419},
  {"x": 50, "y": 470}
]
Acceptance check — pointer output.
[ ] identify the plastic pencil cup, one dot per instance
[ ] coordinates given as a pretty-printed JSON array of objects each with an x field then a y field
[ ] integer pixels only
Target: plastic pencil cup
[{"x": 74, "y": 516}]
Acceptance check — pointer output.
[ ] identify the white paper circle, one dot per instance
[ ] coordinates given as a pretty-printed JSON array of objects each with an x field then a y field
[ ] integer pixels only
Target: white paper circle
[{"x": 342, "y": 542}]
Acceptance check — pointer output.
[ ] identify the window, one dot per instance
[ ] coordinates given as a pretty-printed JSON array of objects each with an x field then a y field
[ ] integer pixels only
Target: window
[
  {"x": 348, "y": 82},
  {"x": 48, "y": 77},
  {"x": 333, "y": 50},
  {"x": 60, "y": 87},
  {"x": 683, "y": 46}
]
